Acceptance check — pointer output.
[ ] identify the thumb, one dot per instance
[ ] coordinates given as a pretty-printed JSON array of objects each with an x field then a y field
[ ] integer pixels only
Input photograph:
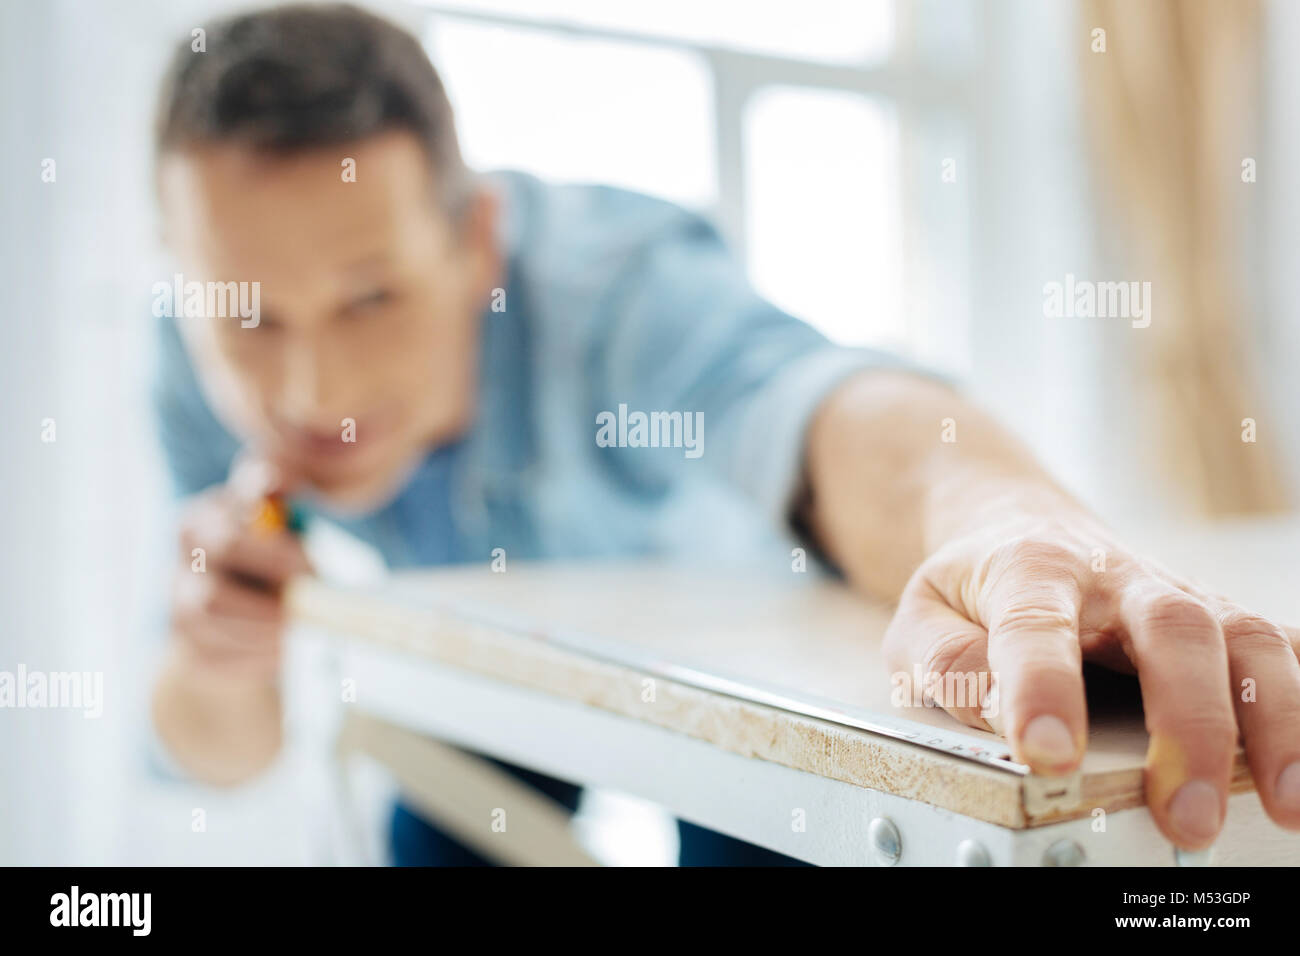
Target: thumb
[
  {"x": 259, "y": 486},
  {"x": 255, "y": 476}
]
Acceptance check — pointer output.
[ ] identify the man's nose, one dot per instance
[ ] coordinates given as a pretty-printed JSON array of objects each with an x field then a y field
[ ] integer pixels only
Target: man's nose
[{"x": 314, "y": 383}]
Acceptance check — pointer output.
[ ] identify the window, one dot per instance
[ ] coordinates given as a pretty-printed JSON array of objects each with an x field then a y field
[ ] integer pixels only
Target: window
[
  {"x": 814, "y": 134},
  {"x": 837, "y": 31},
  {"x": 581, "y": 108},
  {"x": 823, "y": 221}
]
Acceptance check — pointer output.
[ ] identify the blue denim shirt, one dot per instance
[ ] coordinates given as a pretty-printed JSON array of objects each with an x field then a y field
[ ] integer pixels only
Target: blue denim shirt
[{"x": 612, "y": 298}]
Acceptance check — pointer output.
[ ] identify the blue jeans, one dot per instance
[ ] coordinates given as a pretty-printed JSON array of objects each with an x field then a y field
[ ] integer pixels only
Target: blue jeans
[{"x": 415, "y": 842}]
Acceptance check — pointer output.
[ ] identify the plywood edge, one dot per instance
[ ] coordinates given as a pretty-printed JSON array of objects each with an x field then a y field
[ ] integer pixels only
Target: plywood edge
[
  {"x": 802, "y": 743},
  {"x": 740, "y": 727}
]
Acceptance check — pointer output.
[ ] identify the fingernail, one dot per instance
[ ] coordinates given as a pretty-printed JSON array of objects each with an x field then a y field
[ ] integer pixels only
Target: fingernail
[
  {"x": 1194, "y": 811},
  {"x": 1047, "y": 742},
  {"x": 1287, "y": 789}
]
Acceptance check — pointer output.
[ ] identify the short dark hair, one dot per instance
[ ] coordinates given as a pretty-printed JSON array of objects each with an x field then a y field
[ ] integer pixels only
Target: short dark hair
[{"x": 306, "y": 75}]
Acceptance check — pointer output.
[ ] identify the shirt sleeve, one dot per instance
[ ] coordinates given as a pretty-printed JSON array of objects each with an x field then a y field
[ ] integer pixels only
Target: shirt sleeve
[{"x": 685, "y": 331}]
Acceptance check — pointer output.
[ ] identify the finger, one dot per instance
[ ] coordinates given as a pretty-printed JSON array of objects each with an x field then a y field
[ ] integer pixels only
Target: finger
[
  {"x": 928, "y": 636},
  {"x": 246, "y": 613},
  {"x": 204, "y": 645},
  {"x": 1033, "y": 648},
  {"x": 255, "y": 476},
  {"x": 258, "y": 488},
  {"x": 228, "y": 640},
  {"x": 232, "y": 638},
  {"x": 1265, "y": 682},
  {"x": 1182, "y": 663},
  {"x": 225, "y": 541}
]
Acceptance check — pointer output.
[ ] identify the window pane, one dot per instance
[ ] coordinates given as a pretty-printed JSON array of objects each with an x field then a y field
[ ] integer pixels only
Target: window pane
[
  {"x": 938, "y": 163},
  {"x": 835, "y": 31},
  {"x": 824, "y": 229},
  {"x": 580, "y": 109}
]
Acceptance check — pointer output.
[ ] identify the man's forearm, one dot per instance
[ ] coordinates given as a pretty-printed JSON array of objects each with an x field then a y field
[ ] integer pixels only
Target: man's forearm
[{"x": 898, "y": 464}]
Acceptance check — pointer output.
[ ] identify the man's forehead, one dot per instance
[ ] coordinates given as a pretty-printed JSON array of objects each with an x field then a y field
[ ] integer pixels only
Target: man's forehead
[
  {"x": 396, "y": 153},
  {"x": 229, "y": 201}
]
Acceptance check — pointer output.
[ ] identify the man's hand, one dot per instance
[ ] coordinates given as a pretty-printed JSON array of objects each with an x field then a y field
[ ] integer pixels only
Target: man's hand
[
  {"x": 228, "y": 617},
  {"x": 919, "y": 496},
  {"x": 1024, "y": 601},
  {"x": 217, "y": 704}
]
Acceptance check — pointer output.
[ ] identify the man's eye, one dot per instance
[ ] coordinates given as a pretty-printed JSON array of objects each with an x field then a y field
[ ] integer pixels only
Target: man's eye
[{"x": 371, "y": 300}]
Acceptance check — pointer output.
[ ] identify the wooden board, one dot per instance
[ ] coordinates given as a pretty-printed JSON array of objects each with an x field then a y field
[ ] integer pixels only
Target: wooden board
[{"x": 797, "y": 631}]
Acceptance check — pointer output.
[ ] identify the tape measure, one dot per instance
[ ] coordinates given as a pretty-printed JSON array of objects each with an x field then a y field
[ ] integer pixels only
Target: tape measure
[
  {"x": 1042, "y": 796},
  {"x": 953, "y": 742}
]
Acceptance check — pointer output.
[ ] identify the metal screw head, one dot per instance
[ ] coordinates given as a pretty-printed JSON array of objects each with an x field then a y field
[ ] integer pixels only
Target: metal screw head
[
  {"x": 886, "y": 844},
  {"x": 1063, "y": 853},
  {"x": 972, "y": 853}
]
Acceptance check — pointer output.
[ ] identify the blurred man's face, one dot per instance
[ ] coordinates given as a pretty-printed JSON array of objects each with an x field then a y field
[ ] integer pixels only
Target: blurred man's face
[{"x": 369, "y": 302}]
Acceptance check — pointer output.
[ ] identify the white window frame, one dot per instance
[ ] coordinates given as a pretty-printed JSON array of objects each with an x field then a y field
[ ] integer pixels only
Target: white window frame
[{"x": 921, "y": 91}]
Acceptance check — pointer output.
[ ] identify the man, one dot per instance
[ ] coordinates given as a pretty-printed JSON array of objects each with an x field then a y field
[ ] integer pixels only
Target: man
[{"x": 429, "y": 364}]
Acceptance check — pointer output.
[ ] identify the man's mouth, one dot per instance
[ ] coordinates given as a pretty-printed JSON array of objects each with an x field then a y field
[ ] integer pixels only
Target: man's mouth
[{"x": 344, "y": 447}]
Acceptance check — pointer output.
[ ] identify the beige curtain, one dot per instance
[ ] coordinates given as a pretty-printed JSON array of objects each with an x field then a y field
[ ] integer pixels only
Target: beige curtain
[{"x": 1173, "y": 110}]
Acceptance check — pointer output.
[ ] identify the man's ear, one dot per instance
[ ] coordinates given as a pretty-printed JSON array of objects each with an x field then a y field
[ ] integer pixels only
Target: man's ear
[{"x": 481, "y": 242}]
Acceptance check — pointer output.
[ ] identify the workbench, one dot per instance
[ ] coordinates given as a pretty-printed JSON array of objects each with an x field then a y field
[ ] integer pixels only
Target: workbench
[{"x": 486, "y": 661}]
